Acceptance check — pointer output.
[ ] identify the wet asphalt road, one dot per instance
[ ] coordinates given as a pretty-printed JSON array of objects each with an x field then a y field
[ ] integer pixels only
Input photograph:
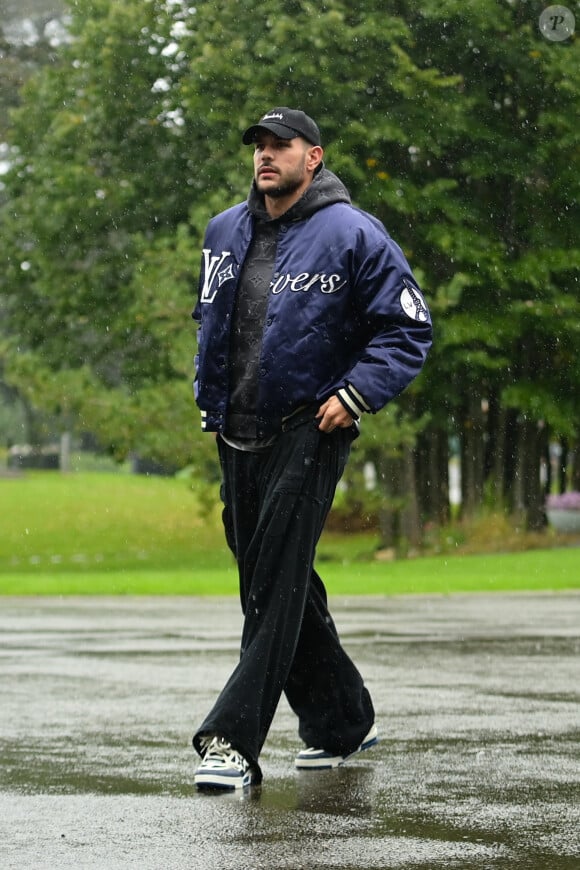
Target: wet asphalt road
[{"x": 478, "y": 704}]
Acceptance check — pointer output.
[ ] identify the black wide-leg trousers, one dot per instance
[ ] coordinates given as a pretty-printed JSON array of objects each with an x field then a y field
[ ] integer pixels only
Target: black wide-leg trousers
[{"x": 275, "y": 506}]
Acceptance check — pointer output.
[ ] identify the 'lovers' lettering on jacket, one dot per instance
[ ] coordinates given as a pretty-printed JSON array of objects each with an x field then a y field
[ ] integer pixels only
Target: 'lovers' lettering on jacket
[
  {"x": 217, "y": 270},
  {"x": 306, "y": 281}
]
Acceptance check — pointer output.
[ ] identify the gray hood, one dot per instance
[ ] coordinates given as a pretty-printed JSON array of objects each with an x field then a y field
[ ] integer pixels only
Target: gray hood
[{"x": 326, "y": 189}]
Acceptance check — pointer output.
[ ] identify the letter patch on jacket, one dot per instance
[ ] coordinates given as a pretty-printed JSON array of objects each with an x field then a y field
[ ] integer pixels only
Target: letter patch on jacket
[
  {"x": 214, "y": 269},
  {"x": 413, "y": 303}
]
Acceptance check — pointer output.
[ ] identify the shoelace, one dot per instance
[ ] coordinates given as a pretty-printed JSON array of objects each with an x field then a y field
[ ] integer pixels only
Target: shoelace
[
  {"x": 205, "y": 743},
  {"x": 222, "y": 752}
]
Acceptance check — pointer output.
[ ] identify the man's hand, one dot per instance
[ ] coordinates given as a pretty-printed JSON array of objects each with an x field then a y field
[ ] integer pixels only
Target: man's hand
[{"x": 333, "y": 415}]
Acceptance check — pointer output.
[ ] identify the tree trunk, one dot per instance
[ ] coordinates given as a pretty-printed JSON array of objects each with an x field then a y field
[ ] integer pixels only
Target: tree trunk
[
  {"x": 575, "y": 476},
  {"x": 528, "y": 494},
  {"x": 535, "y": 489},
  {"x": 510, "y": 459},
  {"x": 496, "y": 452},
  {"x": 563, "y": 470},
  {"x": 410, "y": 523},
  {"x": 432, "y": 474},
  {"x": 521, "y": 468},
  {"x": 473, "y": 457},
  {"x": 388, "y": 473}
]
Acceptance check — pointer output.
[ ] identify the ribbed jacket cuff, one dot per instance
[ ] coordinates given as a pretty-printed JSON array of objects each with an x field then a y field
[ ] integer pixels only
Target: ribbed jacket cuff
[{"x": 352, "y": 401}]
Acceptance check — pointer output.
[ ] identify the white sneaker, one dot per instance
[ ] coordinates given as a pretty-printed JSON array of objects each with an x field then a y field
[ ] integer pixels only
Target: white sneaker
[
  {"x": 319, "y": 759},
  {"x": 222, "y": 767}
]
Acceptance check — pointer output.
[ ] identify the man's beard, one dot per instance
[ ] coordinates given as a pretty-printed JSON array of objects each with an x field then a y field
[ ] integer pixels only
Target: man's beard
[
  {"x": 287, "y": 186},
  {"x": 286, "y": 189}
]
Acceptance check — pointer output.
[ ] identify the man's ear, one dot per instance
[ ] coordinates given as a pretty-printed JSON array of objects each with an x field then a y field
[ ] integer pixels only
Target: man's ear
[{"x": 314, "y": 157}]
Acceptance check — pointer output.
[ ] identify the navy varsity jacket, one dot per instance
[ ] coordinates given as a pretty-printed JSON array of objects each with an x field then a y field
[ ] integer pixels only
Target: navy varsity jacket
[{"x": 345, "y": 315}]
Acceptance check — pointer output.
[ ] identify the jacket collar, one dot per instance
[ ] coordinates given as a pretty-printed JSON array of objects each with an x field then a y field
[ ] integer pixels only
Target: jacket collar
[{"x": 326, "y": 189}]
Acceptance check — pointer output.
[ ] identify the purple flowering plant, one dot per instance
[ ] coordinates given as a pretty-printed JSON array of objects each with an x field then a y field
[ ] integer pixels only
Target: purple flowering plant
[{"x": 566, "y": 501}]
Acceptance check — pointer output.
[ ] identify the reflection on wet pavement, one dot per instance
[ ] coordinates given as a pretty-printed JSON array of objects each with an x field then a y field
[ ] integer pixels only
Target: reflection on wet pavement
[{"x": 477, "y": 702}]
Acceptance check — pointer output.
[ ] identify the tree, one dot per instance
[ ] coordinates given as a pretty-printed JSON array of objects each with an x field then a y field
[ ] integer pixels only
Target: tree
[
  {"x": 83, "y": 209},
  {"x": 26, "y": 45},
  {"x": 440, "y": 117},
  {"x": 512, "y": 257},
  {"x": 138, "y": 149}
]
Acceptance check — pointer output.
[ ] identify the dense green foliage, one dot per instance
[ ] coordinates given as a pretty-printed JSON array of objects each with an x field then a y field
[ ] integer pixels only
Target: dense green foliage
[{"x": 454, "y": 123}]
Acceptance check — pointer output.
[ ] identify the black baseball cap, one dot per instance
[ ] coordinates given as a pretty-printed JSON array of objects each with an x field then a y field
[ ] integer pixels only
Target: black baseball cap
[{"x": 286, "y": 124}]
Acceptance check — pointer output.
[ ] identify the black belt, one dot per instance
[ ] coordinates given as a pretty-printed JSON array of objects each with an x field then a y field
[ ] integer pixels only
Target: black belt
[{"x": 303, "y": 415}]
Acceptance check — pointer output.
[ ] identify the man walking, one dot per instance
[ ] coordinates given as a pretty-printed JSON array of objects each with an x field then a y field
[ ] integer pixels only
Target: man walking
[{"x": 309, "y": 317}]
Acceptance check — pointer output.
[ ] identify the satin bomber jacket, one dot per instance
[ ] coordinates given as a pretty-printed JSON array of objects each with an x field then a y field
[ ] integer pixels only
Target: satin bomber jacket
[{"x": 344, "y": 310}]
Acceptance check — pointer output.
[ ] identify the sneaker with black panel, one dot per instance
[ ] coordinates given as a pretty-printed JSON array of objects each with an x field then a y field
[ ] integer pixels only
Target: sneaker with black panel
[
  {"x": 222, "y": 767},
  {"x": 314, "y": 758}
]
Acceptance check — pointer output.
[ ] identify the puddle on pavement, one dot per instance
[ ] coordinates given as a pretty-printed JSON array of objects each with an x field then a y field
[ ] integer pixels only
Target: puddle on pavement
[
  {"x": 478, "y": 767},
  {"x": 421, "y": 804}
]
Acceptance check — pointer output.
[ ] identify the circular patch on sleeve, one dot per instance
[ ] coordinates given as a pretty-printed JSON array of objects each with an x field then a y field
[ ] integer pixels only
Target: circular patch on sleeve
[{"x": 413, "y": 304}]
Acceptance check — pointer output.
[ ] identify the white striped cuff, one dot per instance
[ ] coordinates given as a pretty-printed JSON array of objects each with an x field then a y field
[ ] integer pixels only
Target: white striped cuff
[{"x": 352, "y": 400}]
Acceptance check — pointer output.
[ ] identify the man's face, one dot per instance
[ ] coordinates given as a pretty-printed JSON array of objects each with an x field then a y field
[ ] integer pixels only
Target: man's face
[{"x": 280, "y": 165}]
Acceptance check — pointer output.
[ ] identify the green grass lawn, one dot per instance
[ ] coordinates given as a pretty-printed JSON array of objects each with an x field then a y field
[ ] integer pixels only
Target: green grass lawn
[
  {"x": 58, "y": 523},
  {"x": 538, "y": 570},
  {"x": 121, "y": 534}
]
